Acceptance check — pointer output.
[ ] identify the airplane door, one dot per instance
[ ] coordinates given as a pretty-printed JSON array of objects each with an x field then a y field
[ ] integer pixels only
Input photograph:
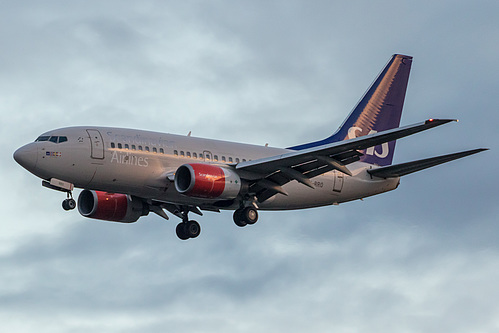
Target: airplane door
[
  {"x": 338, "y": 181},
  {"x": 96, "y": 143}
]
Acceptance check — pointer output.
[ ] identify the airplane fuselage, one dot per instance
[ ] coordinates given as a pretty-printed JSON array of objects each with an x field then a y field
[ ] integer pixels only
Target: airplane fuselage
[{"x": 143, "y": 163}]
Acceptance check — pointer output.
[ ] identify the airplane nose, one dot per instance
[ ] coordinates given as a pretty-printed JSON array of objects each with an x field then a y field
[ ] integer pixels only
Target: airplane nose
[{"x": 27, "y": 156}]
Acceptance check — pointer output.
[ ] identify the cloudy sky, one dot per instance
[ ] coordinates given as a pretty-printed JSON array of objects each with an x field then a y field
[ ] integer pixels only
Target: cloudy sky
[{"x": 424, "y": 258}]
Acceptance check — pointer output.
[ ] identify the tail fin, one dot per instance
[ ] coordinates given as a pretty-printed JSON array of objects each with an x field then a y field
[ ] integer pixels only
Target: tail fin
[{"x": 380, "y": 109}]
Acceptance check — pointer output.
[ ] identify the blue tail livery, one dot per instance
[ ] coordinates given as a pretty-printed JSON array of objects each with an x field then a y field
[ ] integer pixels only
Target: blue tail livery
[{"x": 380, "y": 109}]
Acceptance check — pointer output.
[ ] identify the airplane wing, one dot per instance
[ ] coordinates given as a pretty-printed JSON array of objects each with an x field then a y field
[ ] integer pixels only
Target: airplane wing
[
  {"x": 267, "y": 175},
  {"x": 403, "y": 169}
]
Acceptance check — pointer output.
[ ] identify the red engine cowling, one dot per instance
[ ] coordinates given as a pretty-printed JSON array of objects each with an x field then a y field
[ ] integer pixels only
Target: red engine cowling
[
  {"x": 111, "y": 206},
  {"x": 207, "y": 181}
]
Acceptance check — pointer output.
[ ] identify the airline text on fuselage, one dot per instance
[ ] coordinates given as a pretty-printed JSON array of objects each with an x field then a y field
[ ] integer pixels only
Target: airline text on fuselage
[{"x": 129, "y": 159}]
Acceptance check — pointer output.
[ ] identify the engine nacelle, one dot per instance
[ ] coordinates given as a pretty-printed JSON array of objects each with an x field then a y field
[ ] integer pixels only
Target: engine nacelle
[
  {"x": 207, "y": 181},
  {"x": 111, "y": 206}
]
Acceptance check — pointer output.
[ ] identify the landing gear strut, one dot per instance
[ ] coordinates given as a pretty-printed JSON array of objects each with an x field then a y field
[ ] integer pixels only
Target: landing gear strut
[
  {"x": 187, "y": 229},
  {"x": 245, "y": 216}
]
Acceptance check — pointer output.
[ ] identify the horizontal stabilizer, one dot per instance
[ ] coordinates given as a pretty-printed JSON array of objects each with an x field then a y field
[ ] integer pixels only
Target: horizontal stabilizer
[{"x": 403, "y": 169}]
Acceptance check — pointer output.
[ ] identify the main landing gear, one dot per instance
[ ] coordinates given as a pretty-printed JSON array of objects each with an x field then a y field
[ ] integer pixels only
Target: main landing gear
[
  {"x": 187, "y": 229},
  {"x": 191, "y": 229},
  {"x": 244, "y": 216}
]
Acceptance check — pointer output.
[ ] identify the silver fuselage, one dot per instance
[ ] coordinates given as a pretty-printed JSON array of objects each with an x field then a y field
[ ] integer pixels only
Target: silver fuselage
[{"x": 142, "y": 163}]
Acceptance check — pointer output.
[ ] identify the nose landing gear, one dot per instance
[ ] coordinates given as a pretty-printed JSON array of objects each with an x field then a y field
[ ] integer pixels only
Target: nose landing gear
[
  {"x": 62, "y": 186},
  {"x": 69, "y": 203}
]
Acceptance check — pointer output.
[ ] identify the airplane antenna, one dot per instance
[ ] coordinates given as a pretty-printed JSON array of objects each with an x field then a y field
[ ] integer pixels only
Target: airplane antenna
[{"x": 189, "y": 134}]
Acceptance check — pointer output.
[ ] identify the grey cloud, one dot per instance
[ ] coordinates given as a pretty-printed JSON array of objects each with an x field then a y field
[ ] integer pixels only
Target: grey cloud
[
  {"x": 420, "y": 259},
  {"x": 370, "y": 273}
]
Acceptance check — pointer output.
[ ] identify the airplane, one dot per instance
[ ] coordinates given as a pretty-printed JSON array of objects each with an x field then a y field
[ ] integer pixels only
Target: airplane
[{"x": 125, "y": 174}]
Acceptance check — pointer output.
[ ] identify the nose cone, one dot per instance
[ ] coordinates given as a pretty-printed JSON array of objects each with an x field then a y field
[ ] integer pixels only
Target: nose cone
[{"x": 27, "y": 156}]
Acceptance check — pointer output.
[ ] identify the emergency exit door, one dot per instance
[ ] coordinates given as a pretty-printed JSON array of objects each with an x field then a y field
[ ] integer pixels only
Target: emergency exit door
[
  {"x": 96, "y": 144},
  {"x": 338, "y": 181}
]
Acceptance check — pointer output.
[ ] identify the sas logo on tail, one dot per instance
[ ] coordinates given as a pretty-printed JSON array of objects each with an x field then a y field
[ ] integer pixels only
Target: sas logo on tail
[{"x": 385, "y": 150}]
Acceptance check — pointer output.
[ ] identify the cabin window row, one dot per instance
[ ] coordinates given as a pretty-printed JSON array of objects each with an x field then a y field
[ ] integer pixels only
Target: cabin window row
[
  {"x": 188, "y": 154},
  {"x": 135, "y": 147},
  {"x": 208, "y": 157}
]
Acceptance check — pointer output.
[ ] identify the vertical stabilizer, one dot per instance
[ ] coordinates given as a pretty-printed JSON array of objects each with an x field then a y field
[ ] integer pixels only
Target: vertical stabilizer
[{"x": 380, "y": 109}]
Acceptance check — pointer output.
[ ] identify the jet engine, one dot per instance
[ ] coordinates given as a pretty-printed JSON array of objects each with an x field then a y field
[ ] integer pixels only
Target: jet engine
[
  {"x": 207, "y": 181},
  {"x": 111, "y": 206}
]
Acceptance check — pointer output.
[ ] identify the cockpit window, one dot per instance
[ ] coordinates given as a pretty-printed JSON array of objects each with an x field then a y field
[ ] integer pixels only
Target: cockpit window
[
  {"x": 54, "y": 139},
  {"x": 43, "y": 138}
]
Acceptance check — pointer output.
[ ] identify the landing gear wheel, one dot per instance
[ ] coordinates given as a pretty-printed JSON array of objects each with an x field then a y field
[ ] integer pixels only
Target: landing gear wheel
[
  {"x": 181, "y": 232},
  {"x": 192, "y": 229},
  {"x": 189, "y": 229},
  {"x": 65, "y": 205},
  {"x": 238, "y": 219},
  {"x": 69, "y": 204},
  {"x": 250, "y": 215},
  {"x": 245, "y": 216}
]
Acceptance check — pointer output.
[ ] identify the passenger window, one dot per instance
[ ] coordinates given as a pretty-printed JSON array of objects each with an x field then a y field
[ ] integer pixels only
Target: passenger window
[
  {"x": 120, "y": 146},
  {"x": 161, "y": 150},
  {"x": 182, "y": 153},
  {"x": 127, "y": 146},
  {"x": 154, "y": 150},
  {"x": 189, "y": 154},
  {"x": 140, "y": 147},
  {"x": 53, "y": 139},
  {"x": 63, "y": 139},
  {"x": 230, "y": 159},
  {"x": 215, "y": 157},
  {"x": 175, "y": 152},
  {"x": 244, "y": 160},
  {"x": 223, "y": 158},
  {"x": 147, "y": 148},
  {"x": 133, "y": 147},
  {"x": 237, "y": 159},
  {"x": 194, "y": 155},
  {"x": 112, "y": 145},
  {"x": 201, "y": 156}
]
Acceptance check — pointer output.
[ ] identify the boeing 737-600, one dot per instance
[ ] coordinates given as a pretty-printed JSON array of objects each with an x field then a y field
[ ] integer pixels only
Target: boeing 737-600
[{"x": 127, "y": 173}]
